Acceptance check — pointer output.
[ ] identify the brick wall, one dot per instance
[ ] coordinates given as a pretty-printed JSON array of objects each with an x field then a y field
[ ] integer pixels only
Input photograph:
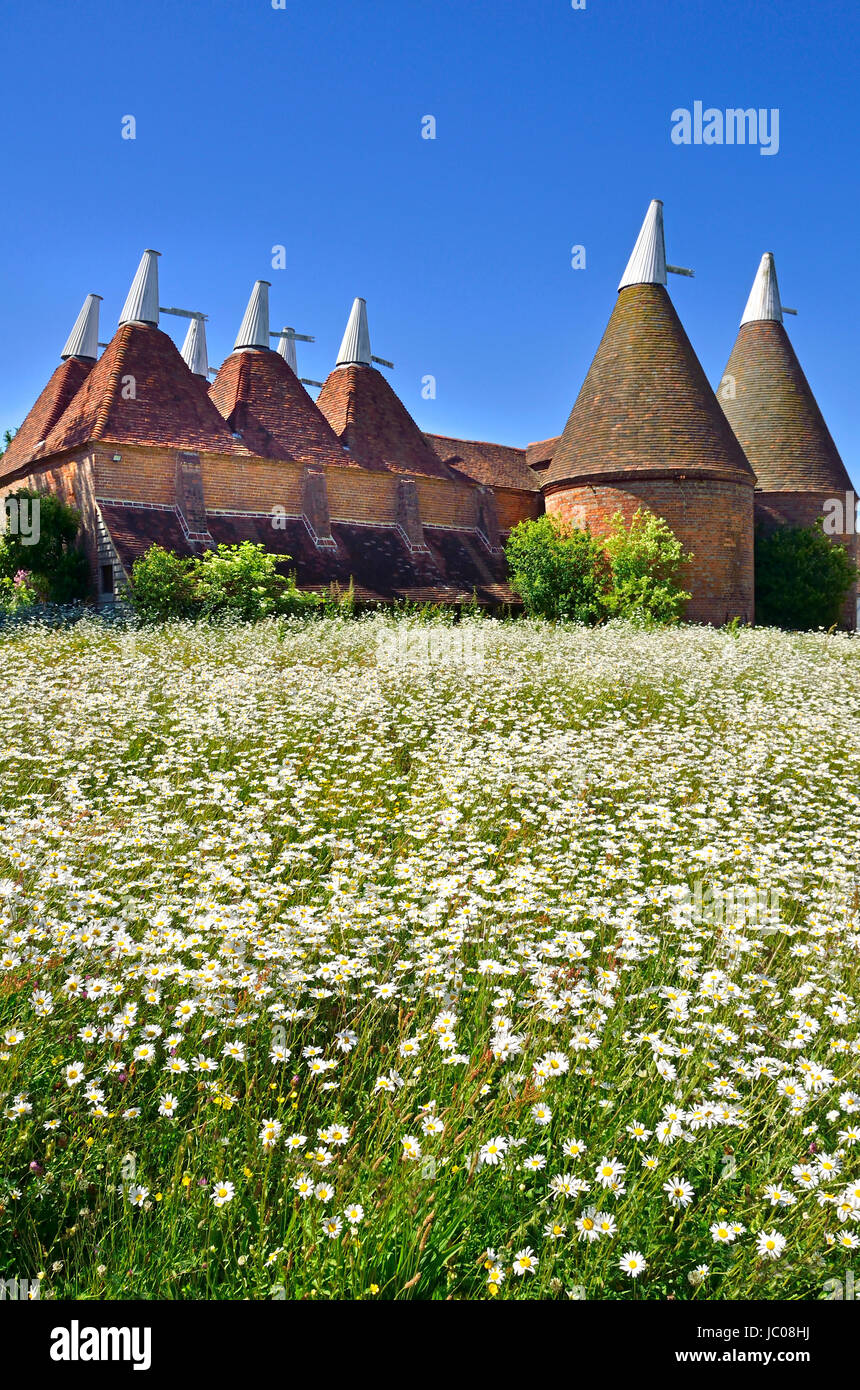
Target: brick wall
[
  {"x": 514, "y": 507},
  {"x": 140, "y": 474},
  {"x": 250, "y": 485},
  {"x": 712, "y": 519},
  {"x": 447, "y": 504},
  {"x": 356, "y": 495}
]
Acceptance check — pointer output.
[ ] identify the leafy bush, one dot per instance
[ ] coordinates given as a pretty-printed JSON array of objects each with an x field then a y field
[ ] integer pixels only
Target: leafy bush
[
  {"x": 242, "y": 579},
  {"x": 561, "y": 572},
  {"x": 558, "y": 571},
  {"x": 645, "y": 559},
  {"x": 801, "y": 578},
  {"x": 163, "y": 585},
  {"x": 57, "y": 569},
  {"x": 238, "y": 580}
]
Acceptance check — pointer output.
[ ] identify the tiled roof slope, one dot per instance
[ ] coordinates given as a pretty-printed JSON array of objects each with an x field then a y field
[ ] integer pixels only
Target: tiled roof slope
[
  {"x": 375, "y": 557},
  {"x": 776, "y": 417},
  {"x": 646, "y": 402},
  {"x": 493, "y": 465},
  {"x": 381, "y": 566},
  {"x": 63, "y": 386},
  {"x": 539, "y": 454},
  {"x": 374, "y": 424},
  {"x": 170, "y": 405},
  {"x": 134, "y": 529},
  {"x": 261, "y": 397}
]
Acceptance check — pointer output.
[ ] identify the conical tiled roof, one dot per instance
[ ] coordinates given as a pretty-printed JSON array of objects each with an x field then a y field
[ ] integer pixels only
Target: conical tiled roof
[
  {"x": 63, "y": 386},
  {"x": 369, "y": 419},
  {"x": 646, "y": 403},
  {"x": 774, "y": 413},
  {"x": 78, "y": 355},
  {"x": 262, "y": 399},
  {"x": 140, "y": 391},
  {"x": 374, "y": 424}
]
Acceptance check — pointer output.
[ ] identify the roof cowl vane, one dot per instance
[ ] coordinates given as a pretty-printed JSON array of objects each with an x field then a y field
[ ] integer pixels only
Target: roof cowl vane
[
  {"x": 141, "y": 306},
  {"x": 254, "y": 329},
  {"x": 194, "y": 348},
  {"x": 764, "y": 301},
  {"x": 647, "y": 264},
  {"x": 287, "y": 349},
  {"x": 355, "y": 347},
  {"x": 83, "y": 341}
]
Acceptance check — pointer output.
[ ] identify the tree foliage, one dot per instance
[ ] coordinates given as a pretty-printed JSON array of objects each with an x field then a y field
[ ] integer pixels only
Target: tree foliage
[
  {"x": 41, "y": 561},
  {"x": 801, "y": 578}
]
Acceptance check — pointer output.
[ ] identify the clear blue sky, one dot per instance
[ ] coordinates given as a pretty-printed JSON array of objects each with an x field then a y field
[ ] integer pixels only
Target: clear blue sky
[{"x": 302, "y": 126}]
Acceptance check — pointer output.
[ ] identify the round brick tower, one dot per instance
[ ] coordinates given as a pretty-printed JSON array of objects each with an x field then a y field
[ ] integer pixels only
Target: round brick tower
[
  {"x": 771, "y": 408},
  {"x": 647, "y": 431}
]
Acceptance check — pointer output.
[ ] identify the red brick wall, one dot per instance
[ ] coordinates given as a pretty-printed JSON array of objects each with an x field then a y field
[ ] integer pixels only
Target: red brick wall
[
  {"x": 712, "y": 519},
  {"x": 515, "y": 507},
  {"x": 447, "y": 504},
  {"x": 356, "y": 495}
]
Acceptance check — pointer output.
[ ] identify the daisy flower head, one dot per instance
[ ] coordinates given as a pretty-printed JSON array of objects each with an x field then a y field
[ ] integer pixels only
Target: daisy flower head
[
  {"x": 770, "y": 1245},
  {"x": 679, "y": 1192},
  {"x": 270, "y": 1133},
  {"x": 722, "y": 1233},
  {"x": 573, "y": 1148},
  {"x": 493, "y": 1151},
  {"x": 609, "y": 1171},
  {"x": 525, "y": 1262},
  {"x": 554, "y": 1230}
]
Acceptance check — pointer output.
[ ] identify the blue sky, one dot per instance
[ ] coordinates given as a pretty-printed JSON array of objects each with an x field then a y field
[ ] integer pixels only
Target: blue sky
[{"x": 301, "y": 126}]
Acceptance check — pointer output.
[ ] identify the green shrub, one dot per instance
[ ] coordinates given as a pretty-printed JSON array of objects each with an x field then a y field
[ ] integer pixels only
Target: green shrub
[
  {"x": 645, "y": 559},
  {"x": 58, "y": 569},
  {"x": 237, "y": 580},
  {"x": 162, "y": 585},
  {"x": 558, "y": 571},
  {"x": 243, "y": 580},
  {"x": 801, "y": 578},
  {"x": 561, "y": 572}
]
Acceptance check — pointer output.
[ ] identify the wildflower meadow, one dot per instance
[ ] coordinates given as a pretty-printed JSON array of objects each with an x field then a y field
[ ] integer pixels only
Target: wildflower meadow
[{"x": 389, "y": 959}]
